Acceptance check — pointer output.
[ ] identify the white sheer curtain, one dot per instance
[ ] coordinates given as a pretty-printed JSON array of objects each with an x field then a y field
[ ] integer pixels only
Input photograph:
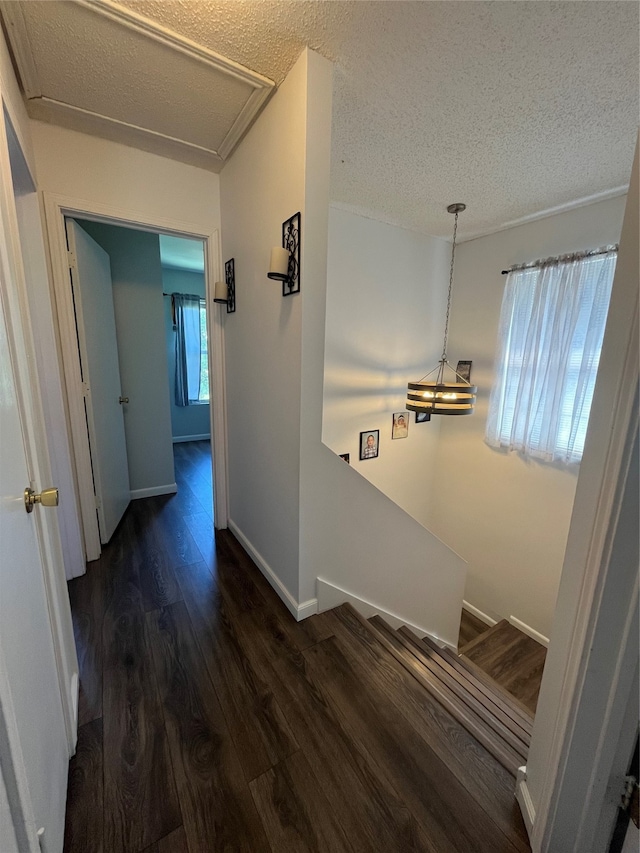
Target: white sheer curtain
[{"x": 551, "y": 329}]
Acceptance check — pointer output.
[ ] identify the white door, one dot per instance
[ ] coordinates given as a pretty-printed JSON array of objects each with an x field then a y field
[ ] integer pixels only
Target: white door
[
  {"x": 95, "y": 319},
  {"x": 34, "y": 749}
]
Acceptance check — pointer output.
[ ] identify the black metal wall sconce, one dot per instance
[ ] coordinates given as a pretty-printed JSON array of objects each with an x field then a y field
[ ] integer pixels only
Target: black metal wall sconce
[
  {"x": 285, "y": 261},
  {"x": 225, "y": 291}
]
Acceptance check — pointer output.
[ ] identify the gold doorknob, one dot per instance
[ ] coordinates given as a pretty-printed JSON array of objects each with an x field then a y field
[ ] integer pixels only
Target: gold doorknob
[{"x": 47, "y": 497}]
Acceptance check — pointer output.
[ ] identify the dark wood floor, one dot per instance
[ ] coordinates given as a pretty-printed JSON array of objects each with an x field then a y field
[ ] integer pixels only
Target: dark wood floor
[
  {"x": 470, "y": 628},
  {"x": 210, "y": 720}
]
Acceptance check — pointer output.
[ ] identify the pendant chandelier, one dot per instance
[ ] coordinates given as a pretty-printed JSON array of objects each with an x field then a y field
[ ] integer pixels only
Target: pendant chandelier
[{"x": 443, "y": 391}]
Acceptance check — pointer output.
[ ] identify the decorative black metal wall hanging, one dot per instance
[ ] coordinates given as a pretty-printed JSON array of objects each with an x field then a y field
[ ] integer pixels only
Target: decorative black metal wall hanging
[
  {"x": 291, "y": 241},
  {"x": 230, "y": 279}
]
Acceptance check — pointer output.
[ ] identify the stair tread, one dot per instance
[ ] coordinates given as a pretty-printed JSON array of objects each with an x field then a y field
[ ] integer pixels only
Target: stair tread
[
  {"x": 456, "y": 745},
  {"x": 456, "y": 691},
  {"x": 513, "y": 659},
  {"x": 510, "y": 758},
  {"x": 462, "y": 662},
  {"x": 491, "y": 701},
  {"x": 480, "y": 638}
]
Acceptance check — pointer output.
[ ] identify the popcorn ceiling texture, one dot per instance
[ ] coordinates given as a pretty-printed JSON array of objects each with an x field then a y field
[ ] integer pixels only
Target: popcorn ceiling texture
[{"x": 513, "y": 108}]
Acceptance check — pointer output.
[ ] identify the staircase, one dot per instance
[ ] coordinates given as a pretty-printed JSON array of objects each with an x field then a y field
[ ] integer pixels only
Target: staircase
[{"x": 495, "y": 719}]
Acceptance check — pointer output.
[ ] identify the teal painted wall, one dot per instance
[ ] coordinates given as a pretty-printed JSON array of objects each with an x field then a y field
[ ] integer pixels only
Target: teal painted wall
[
  {"x": 138, "y": 303},
  {"x": 185, "y": 420}
]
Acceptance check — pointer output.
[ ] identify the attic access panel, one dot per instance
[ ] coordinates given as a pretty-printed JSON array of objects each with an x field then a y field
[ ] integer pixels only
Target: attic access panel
[{"x": 95, "y": 66}]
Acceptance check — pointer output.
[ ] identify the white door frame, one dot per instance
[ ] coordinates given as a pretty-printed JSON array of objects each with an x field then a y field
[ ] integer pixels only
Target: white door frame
[
  {"x": 57, "y": 207},
  {"x": 593, "y": 654}
]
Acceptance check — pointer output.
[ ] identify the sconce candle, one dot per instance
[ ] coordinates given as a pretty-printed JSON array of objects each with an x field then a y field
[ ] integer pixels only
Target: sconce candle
[
  {"x": 220, "y": 292},
  {"x": 279, "y": 264}
]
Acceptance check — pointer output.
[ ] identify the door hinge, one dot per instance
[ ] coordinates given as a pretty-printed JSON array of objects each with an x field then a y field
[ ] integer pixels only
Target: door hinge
[
  {"x": 630, "y": 795},
  {"x": 98, "y": 502},
  {"x": 71, "y": 259},
  {"x": 85, "y": 389}
]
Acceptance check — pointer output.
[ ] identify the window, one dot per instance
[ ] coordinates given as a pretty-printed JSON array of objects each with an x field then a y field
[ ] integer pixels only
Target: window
[
  {"x": 551, "y": 330},
  {"x": 192, "y": 366},
  {"x": 203, "y": 390}
]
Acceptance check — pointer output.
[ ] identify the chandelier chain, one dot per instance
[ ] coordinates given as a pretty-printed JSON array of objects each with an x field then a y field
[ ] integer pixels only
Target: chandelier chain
[{"x": 446, "y": 322}]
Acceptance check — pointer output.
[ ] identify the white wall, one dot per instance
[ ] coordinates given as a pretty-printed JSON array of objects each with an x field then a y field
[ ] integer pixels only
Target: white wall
[
  {"x": 136, "y": 275},
  {"x": 103, "y": 172},
  {"x": 351, "y": 535},
  {"x": 186, "y": 421},
  {"x": 386, "y": 302},
  {"x": 261, "y": 186},
  {"x": 299, "y": 509},
  {"x": 507, "y": 516}
]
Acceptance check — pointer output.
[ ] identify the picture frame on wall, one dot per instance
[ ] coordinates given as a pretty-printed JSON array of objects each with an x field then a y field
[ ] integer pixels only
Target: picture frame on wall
[
  {"x": 369, "y": 444},
  {"x": 400, "y": 425},
  {"x": 464, "y": 371},
  {"x": 423, "y": 417}
]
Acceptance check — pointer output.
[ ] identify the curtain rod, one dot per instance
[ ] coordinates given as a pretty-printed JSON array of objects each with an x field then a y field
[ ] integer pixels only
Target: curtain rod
[{"x": 573, "y": 256}]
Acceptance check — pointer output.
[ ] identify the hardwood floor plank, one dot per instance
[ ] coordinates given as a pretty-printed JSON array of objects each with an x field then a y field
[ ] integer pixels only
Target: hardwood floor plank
[
  {"x": 257, "y": 724},
  {"x": 173, "y": 533},
  {"x": 514, "y": 660},
  {"x": 489, "y": 631},
  {"x": 493, "y": 702},
  {"x": 87, "y": 609},
  {"x": 83, "y": 829},
  {"x": 467, "y": 668},
  {"x": 502, "y": 751},
  {"x": 200, "y": 526},
  {"x": 193, "y": 469},
  {"x": 483, "y": 777},
  {"x": 428, "y": 787},
  {"x": 470, "y": 627},
  {"x": 217, "y": 808},
  {"x": 294, "y": 810},
  {"x": 369, "y": 810},
  {"x": 239, "y": 570},
  {"x": 157, "y": 581},
  {"x": 260, "y": 732},
  {"x": 140, "y": 798},
  {"x": 466, "y": 692},
  {"x": 175, "y": 842}
]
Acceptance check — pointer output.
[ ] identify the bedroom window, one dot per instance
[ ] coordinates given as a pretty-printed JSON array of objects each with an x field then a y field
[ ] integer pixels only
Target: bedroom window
[
  {"x": 192, "y": 365},
  {"x": 551, "y": 329}
]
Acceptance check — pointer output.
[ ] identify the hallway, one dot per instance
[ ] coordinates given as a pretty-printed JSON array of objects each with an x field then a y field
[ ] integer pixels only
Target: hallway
[{"x": 210, "y": 720}]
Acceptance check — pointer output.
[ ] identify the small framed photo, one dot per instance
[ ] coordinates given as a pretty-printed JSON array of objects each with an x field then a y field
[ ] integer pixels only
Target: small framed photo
[
  {"x": 464, "y": 370},
  {"x": 346, "y": 457},
  {"x": 423, "y": 417},
  {"x": 369, "y": 442},
  {"x": 400, "y": 426}
]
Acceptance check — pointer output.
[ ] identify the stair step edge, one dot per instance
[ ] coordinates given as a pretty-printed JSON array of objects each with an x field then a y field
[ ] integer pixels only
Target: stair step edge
[
  {"x": 490, "y": 701},
  {"x": 480, "y": 638},
  {"x": 503, "y": 752}
]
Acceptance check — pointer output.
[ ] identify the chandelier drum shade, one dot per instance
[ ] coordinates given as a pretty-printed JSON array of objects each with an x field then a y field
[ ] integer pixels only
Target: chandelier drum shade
[{"x": 443, "y": 391}]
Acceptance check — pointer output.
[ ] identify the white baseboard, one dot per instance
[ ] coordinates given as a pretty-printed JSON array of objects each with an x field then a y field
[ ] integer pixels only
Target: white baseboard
[
  {"x": 330, "y": 595},
  {"x": 169, "y": 489},
  {"x": 530, "y": 632},
  {"x": 206, "y": 436},
  {"x": 298, "y": 611},
  {"x": 479, "y": 614},
  {"x": 524, "y": 801}
]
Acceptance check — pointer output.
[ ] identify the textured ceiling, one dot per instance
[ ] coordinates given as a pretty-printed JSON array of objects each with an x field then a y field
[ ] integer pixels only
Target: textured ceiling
[{"x": 515, "y": 108}]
